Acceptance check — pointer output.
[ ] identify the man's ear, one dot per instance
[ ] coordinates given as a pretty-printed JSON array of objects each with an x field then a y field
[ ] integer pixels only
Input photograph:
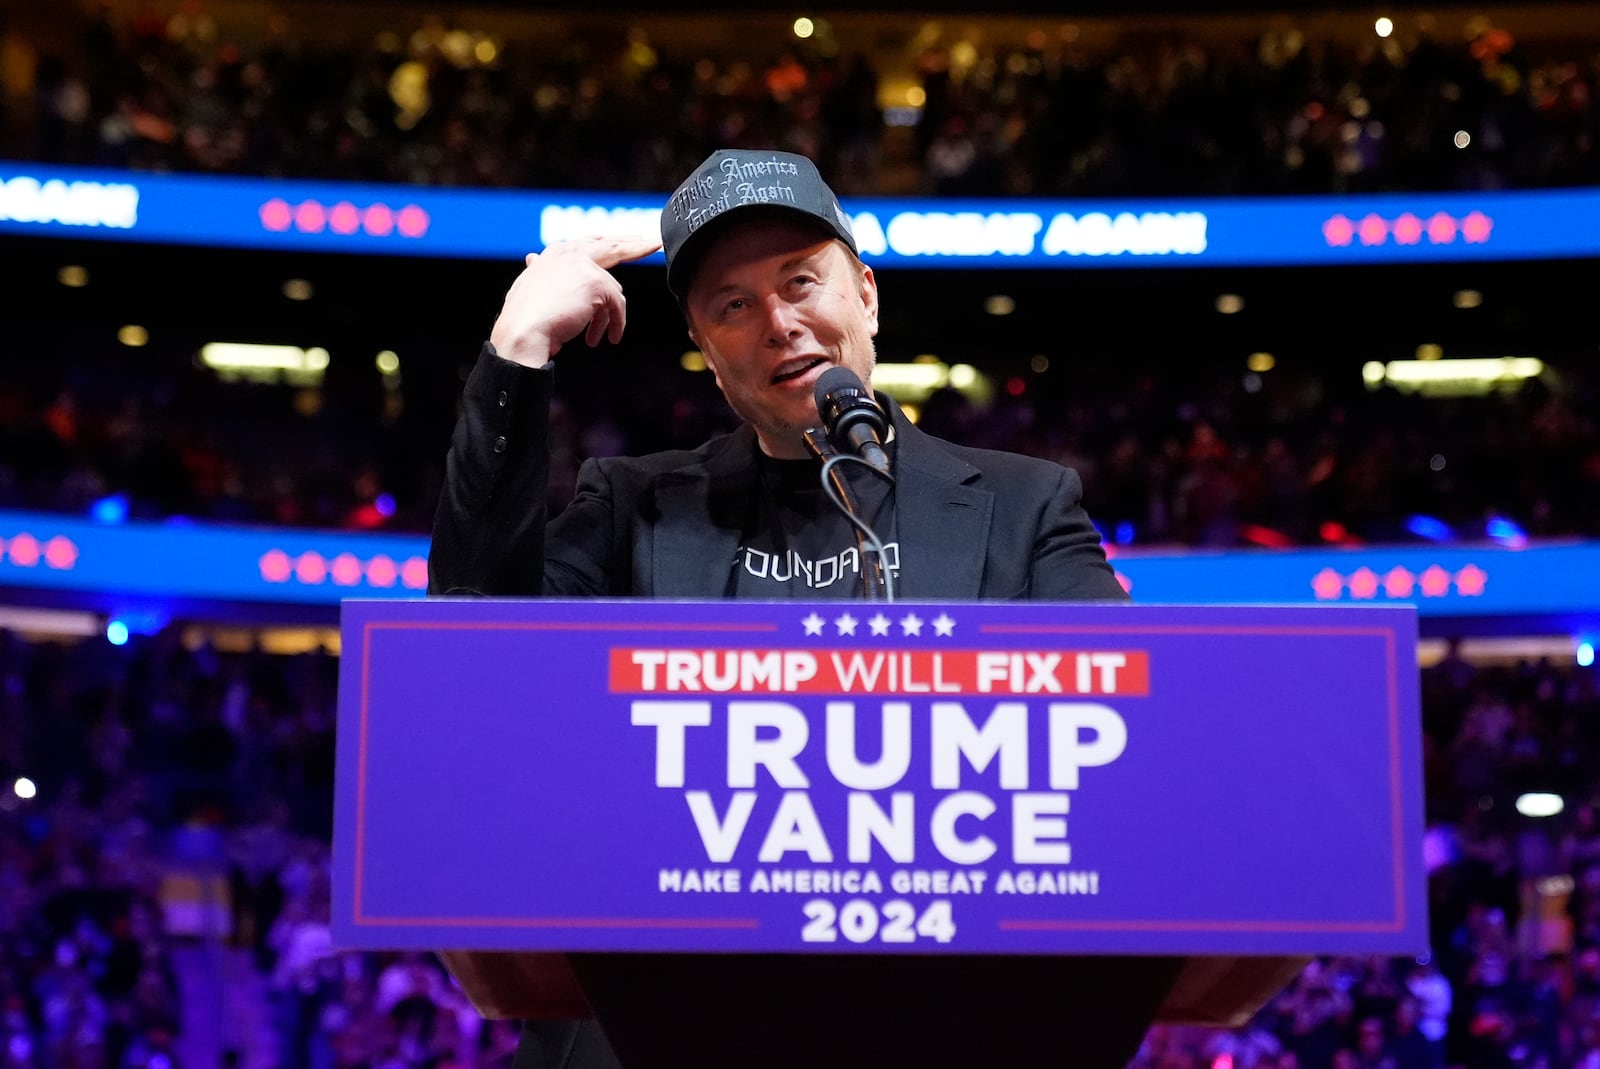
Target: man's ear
[
  {"x": 688, "y": 325},
  {"x": 869, "y": 298}
]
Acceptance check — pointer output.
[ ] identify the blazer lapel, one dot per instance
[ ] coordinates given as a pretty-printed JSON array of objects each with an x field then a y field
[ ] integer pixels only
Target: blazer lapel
[
  {"x": 700, "y": 514},
  {"x": 942, "y": 524}
]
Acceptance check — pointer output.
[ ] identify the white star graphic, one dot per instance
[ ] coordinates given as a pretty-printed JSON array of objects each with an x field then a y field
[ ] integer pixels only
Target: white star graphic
[
  {"x": 943, "y": 625},
  {"x": 813, "y": 624},
  {"x": 846, "y": 624},
  {"x": 880, "y": 624},
  {"x": 911, "y": 624}
]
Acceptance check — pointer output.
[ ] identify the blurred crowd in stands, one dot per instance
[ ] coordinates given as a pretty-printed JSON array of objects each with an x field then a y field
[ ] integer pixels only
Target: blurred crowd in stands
[
  {"x": 181, "y": 800},
  {"x": 1296, "y": 466},
  {"x": 607, "y": 108},
  {"x": 604, "y": 107},
  {"x": 184, "y": 800},
  {"x": 1513, "y": 976},
  {"x": 153, "y": 444},
  {"x": 1291, "y": 463},
  {"x": 184, "y": 793}
]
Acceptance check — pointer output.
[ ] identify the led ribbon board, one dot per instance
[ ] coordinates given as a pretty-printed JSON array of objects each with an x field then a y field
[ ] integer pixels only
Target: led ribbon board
[
  {"x": 144, "y": 563},
  {"x": 506, "y": 224},
  {"x": 148, "y": 562},
  {"x": 846, "y": 778},
  {"x": 1442, "y": 581}
]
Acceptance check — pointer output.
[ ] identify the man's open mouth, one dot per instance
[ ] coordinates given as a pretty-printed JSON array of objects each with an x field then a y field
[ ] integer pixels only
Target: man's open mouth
[{"x": 796, "y": 371}]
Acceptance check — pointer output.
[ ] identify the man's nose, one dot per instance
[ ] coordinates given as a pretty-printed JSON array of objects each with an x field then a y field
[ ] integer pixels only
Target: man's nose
[{"x": 782, "y": 322}]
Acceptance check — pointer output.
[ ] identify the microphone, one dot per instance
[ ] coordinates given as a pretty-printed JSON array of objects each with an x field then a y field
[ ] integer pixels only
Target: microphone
[{"x": 854, "y": 421}]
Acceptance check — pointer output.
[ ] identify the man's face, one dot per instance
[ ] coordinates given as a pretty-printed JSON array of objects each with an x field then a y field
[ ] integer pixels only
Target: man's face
[{"x": 774, "y": 305}]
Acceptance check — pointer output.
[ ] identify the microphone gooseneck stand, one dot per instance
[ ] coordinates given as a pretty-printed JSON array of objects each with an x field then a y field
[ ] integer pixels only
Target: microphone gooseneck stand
[
  {"x": 855, "y": 426},
  {"x": 877, "y": 582}
]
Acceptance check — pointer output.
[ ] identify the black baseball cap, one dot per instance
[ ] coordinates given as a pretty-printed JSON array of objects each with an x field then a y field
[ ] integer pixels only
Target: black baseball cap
[{"x": 736, "y": 185}]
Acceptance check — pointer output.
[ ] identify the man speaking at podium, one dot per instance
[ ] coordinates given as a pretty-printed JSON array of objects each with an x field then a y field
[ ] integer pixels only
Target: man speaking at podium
[{"x": 765, "y": 268}]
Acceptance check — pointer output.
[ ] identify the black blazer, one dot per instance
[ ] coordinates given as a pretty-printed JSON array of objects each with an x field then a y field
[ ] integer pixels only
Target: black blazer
[{"x": 972, "y": 523}]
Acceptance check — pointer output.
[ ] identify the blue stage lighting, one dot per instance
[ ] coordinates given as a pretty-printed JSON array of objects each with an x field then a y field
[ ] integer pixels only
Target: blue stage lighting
[
  {"x": 141, "y": 619},
  {"x": 1431, "y": 529},
  {"x": 1124, "y": 533},
  {"x": 1506, "y": 532},
  {"x": 1585, "y": 654},
  {"x": 110, "y": 509},
  {"x": 117, "y": 633}
]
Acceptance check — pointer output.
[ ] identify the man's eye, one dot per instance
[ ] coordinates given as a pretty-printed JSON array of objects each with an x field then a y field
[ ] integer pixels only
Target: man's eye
[{"x": 734, "y": 305}]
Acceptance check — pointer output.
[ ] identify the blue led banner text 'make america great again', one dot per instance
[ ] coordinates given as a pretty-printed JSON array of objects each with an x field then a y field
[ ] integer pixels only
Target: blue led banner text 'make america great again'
[{"x": 506, "y": 224}]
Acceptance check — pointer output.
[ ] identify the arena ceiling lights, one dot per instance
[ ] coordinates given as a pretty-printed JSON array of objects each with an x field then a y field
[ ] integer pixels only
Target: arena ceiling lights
[{"x": 1451, "y": 378}]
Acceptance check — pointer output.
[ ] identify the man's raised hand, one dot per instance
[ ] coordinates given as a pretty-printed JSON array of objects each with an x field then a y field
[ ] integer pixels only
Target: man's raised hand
[{"x": 565, "y": 291}]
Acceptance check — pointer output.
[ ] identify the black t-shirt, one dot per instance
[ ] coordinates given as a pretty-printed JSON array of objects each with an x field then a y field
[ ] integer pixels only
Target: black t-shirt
[{"x": 797, "y": 545}]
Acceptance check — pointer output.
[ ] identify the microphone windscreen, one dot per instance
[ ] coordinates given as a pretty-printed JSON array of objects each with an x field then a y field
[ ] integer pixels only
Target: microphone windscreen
[{"x": 833, "y": 385}]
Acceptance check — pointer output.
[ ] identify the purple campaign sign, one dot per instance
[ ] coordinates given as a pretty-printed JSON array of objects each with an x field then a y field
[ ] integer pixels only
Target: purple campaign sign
[{"x": 828, "y": 777}]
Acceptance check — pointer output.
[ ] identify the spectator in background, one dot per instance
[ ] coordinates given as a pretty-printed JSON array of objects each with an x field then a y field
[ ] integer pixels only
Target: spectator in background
[
  {"x": 1372, "y": 1046},
  {"x": 1411, "y": 1049}
]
